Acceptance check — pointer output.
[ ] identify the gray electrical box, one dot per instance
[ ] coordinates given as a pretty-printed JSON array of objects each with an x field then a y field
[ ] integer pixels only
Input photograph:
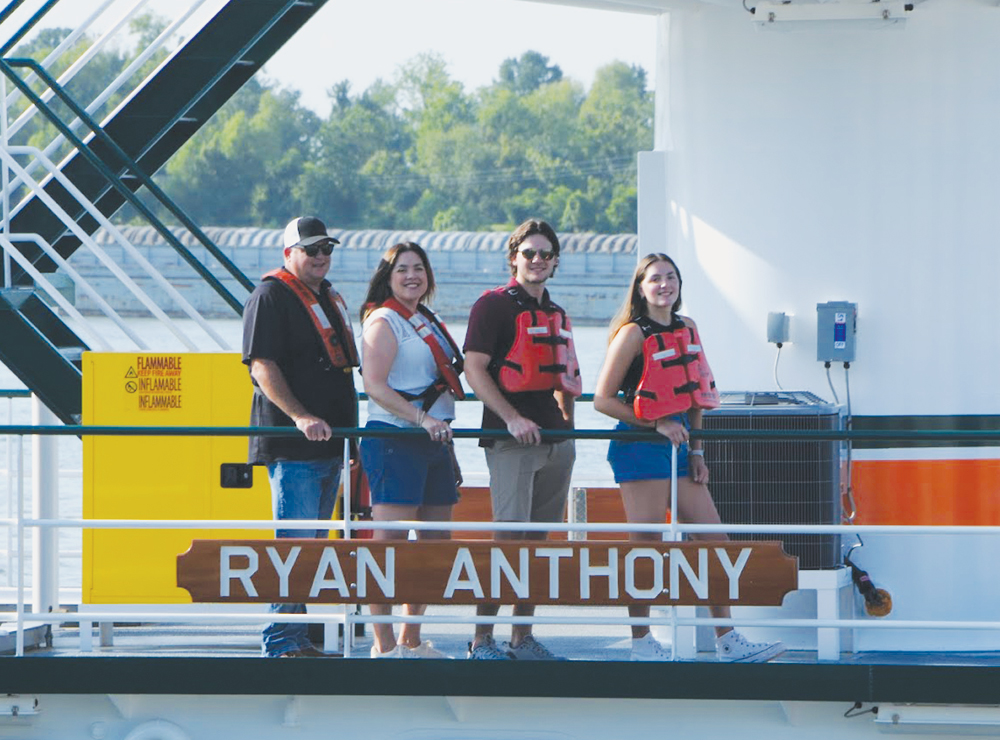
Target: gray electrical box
[
  {"x": 777, "y": 327},
  {"x": 836, "y": 331}
]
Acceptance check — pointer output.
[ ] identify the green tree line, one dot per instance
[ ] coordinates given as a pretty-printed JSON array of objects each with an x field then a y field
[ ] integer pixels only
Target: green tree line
[{"x": 420, "y": 151}]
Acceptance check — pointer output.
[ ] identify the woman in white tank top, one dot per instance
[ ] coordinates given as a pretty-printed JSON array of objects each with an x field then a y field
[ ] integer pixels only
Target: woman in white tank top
[{"x": 411, "y": 476}]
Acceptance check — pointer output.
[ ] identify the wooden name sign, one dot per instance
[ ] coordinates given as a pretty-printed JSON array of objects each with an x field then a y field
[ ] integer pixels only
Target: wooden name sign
[{"x": 469, "y": 572}]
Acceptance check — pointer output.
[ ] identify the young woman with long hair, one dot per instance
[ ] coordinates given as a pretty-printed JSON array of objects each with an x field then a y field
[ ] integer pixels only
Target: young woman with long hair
[{"x": 642, "y": 469}]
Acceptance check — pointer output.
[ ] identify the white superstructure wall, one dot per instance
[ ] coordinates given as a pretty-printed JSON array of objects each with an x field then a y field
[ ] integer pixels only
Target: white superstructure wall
[{"x": 838, "y": 163}]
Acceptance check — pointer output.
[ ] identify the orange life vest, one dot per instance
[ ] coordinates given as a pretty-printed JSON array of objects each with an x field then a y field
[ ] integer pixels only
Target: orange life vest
[
  {"x": 448, "y": 369},
  {"x": 543, "y": 356},
  {"x": 675, "y": 374},
  {"x": 337, "y": 341}
]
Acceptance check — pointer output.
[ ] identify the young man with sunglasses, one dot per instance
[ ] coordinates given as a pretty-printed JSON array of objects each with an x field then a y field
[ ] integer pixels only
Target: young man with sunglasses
[
  {"x": 519, "y": 360},
  {"x": 299, "y": 346}
]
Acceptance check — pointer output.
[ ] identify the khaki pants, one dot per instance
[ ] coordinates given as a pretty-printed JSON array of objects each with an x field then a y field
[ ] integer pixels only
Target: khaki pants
[{"x": 529, "y": 483}]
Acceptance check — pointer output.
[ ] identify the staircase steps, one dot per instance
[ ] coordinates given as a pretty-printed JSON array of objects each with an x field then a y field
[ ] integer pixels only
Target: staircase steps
[{"x": 42, "y": 352}]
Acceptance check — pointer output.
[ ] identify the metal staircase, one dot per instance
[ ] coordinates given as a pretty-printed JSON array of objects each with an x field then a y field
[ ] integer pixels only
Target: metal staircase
[
  {"x": 32, "y": 336},
  {"x": 109, "y": 164}
]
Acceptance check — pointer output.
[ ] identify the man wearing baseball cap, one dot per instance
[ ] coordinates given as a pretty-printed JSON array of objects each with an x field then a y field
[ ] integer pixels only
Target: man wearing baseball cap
[{"x": 299, "y": 346}]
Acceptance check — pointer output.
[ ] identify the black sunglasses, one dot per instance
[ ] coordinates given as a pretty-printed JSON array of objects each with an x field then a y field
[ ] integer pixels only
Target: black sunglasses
[
  {"x": 313, "y": 249},
  {"x": 529, "y": 254}
]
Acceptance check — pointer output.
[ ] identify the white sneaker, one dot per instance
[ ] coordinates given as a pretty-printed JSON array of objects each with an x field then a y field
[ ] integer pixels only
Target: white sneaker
[
  {"x": 735, "y": 648},
  {"x": 396, "y": 652},
  {"x": 425, "y": 649},
  {"x": 648, "y": 648}
]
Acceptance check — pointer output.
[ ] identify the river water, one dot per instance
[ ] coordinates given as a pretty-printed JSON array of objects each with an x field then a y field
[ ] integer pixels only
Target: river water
[{"x": 591, "y": 467}]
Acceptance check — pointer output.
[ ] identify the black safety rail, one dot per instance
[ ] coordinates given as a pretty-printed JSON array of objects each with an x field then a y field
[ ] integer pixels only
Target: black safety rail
[{"x": 880, "y": 435}]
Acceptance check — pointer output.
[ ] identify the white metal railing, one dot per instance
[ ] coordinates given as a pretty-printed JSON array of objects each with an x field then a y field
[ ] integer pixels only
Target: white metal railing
[
  {"x": 20, "y": 523},
  {"x": 124, "y": 76},
  {"x": 185, "y": 16},
  {"x": 11, "y": 501},
  {"x": 597, "y": 527},
  {"x": 16, "y": 474},
  {"x": 78, "y": 64},
  {"x": 110, "y": 614},
  {"x": 8, "y": 159}
]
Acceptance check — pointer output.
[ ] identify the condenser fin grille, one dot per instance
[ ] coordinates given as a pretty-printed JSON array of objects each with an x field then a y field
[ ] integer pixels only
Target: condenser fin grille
[{"x": 778, "y": 481}]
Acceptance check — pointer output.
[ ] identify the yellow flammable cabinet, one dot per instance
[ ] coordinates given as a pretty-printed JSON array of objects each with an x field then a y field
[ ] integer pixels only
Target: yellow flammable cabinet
[{"x": 143, "y": 477}]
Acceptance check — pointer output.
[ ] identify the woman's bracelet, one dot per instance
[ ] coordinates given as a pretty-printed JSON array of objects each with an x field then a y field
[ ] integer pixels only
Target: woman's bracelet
[
  {"x": 421, "y": 415},
  {"x": 697, "y": 453}
]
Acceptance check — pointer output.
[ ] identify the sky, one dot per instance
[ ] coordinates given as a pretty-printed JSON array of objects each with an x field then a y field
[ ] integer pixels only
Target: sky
[{"x": 363, "y": 40}]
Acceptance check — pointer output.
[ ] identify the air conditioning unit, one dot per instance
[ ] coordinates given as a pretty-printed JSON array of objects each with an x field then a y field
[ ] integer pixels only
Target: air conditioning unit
[{"x": 783, "y": 481}]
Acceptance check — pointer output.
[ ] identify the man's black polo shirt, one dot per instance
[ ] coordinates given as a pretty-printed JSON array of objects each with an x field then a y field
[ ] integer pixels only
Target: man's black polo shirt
[{"x": 277, "y": 327}]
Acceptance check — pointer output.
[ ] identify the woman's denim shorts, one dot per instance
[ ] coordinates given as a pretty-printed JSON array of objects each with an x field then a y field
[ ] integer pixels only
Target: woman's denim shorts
[
  {"x": 411, "y": 470},
  {"x": 632, "y": 461}
]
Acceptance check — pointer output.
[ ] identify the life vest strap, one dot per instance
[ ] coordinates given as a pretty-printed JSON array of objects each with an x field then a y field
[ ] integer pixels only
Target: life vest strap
[
  {"x": 550, "y": 340},
  {"x": 667, "y": 356},
  {"x": 448, "y": 369},
  {"x": 428, "y": 395}
]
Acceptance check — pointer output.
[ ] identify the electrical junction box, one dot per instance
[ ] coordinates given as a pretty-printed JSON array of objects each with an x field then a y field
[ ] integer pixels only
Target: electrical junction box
[
  {"x": 836, "y": 331},
  {"x": 777, "y": 327}
]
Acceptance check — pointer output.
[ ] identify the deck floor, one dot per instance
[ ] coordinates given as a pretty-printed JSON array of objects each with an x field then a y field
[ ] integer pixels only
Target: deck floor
[
  {"x": 574, "y": 642},
  {"x": 198, "y": 660}
]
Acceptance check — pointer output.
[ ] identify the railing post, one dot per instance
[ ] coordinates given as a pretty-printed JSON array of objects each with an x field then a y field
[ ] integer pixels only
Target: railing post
[
  {"x": 674, "y": 536},
  {"x": 45, "y": 505},
  {"x": 10, "y": 493},
  {"x": 345, "y": 477},
  {"x": 345, "y": 511},
  {"x": 5, "y": 182},
  {"x": 577, "y": 512},
  {"x": 19, "y": 644}
]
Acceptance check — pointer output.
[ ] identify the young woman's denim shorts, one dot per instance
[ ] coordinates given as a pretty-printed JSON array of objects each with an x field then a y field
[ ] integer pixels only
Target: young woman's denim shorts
[
  {"x": 632, "y": 461},
  {"x": 413, "y": 470}
]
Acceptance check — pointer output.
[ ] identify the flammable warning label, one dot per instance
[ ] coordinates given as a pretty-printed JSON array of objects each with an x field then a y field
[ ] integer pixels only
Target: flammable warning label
[{"x": 156, "y": 381}]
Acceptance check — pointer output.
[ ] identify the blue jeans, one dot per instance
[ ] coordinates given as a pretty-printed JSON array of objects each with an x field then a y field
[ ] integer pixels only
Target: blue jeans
[{"x": 300, "y": 489}]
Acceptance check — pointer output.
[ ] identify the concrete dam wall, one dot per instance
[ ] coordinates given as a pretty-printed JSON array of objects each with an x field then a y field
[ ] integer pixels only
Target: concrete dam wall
[{"x": 593, "y": 273}]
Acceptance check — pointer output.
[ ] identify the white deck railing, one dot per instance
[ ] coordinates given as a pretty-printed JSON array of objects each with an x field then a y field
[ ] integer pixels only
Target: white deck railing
[{"x": 19, "y": 524}]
